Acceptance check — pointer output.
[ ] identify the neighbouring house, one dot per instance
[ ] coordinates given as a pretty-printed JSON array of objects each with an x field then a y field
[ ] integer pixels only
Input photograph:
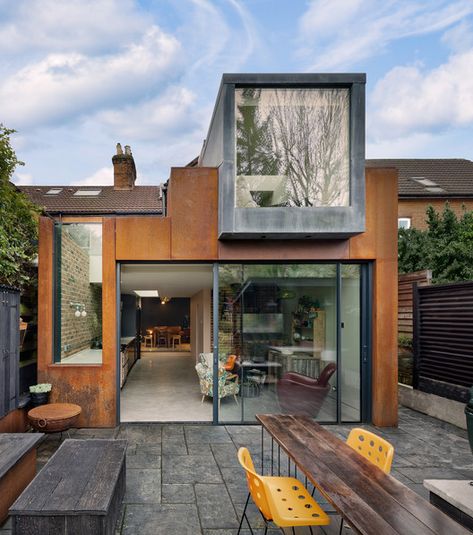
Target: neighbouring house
[
  {"x": 273, "y": 252},
  {"x": 430, "y": 182}
]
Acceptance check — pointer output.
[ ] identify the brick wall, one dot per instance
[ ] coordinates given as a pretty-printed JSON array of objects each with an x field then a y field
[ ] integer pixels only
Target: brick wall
[
  {"x": 415, "y": 209},
  {"x": 78, "y": 333}
]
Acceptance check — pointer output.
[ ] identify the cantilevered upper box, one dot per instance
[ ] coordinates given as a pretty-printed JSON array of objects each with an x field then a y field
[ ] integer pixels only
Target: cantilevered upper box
[{"x": 290, "y": 149}]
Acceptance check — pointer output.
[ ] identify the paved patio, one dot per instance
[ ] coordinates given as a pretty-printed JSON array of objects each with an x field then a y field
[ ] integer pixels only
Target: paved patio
[{"x": 185, "y": 479}]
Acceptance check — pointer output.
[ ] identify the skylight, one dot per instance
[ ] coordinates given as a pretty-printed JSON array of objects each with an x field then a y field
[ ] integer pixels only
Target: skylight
[
  {"x": 87, "y": 192},
  {"x": 424, "y": 181},
  {"x": 53, "y": 191},
  {"x": 147, "y": 293}
]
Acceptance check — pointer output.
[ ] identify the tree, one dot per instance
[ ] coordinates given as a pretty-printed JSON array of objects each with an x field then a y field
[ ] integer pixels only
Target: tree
[
  {"x": 18, "y": 221},
  {"x": 446, "y": 247},
  {"x": 310, "y": 133}
]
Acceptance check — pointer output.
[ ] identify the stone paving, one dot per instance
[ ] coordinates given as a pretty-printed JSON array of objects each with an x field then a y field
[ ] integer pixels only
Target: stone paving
[{"x": 186, "y": 480}]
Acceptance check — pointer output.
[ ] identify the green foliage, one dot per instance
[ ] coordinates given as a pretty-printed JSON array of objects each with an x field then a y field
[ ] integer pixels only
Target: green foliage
[
  {"x": 446, "y": 247},
  {"x": 18, "y": 221},
  {"x": 404, "y": 341}
]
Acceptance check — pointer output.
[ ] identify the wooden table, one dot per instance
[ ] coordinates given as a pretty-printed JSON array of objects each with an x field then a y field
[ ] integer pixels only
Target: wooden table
[
  {"x": 371, "y": 501},
  {"x": 79, "y": 491},
  {"x": 17, "y": 466},
  {"x": 54, "y": 417}
]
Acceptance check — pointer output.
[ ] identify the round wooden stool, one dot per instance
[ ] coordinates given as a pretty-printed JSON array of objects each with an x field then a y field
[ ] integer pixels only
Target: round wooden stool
[{"x": 54, "y": 417}]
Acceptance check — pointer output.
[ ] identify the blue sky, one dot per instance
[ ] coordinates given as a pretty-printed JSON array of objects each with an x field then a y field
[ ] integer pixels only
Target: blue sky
[{"x": 77, "y": 76}]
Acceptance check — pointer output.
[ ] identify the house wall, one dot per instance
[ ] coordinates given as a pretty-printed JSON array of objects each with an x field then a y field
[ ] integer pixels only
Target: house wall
[
  {"x": 77, "y": 333},
  {"x": 201, "y": 317},
  {"x": 190, "y": 233},
  {"x": 415, "y": 208},
  {"x": 154, "y": 314},
  {"x": 128, "y": 311}
]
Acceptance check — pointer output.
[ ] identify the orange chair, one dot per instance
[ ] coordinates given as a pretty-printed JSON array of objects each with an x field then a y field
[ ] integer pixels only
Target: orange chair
[{"x": 230, "y": 364}]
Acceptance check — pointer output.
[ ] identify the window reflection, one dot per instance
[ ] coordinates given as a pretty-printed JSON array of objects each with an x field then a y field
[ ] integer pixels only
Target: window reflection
[
  {"x": 292, "y": 147},
  {"x": 280, "y": 323},
  {"x": 79, "y": 293}
]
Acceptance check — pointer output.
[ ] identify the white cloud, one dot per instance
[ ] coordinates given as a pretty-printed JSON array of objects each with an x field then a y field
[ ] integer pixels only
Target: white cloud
[
  {"x": 75, "y": 25},
  {"x": 335, "y": 34},
  {"x": 64, "y": 85},
  {"x": 23, "y": 179},
  {"x": 170, "y": 113},
  {"x": 101, "y": 177},
  {"x": 409, "y": 99},
  {"x": 460, "y": 37}
]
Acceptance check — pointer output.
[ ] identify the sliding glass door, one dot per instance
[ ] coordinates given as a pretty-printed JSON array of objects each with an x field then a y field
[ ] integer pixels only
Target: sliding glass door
[{"x": 291, "y": 335}]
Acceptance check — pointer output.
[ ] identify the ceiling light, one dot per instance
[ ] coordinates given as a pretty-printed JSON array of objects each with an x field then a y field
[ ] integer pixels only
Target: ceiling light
[{"x": 147, "y": 293}]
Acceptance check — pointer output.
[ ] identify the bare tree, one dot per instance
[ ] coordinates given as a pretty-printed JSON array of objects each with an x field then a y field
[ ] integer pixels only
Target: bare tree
[{"x": 309, "y": 130}]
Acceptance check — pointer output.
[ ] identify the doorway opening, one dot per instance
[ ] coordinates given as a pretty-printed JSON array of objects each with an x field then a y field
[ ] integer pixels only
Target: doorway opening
[{"x": 165, "y": 324}]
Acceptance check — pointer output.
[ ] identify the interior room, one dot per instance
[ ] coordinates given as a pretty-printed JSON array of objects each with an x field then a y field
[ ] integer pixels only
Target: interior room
[{"x": 165, "y": 325}]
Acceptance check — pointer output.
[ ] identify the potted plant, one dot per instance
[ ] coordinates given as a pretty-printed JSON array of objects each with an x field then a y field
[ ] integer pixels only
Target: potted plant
[{"x": 39, "y": 394}]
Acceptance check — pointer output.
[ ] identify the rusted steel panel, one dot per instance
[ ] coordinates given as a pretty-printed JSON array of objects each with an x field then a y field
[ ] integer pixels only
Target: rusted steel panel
[
  {"x": 193, "y": 209},
  {"x": 143, "y": 238}
]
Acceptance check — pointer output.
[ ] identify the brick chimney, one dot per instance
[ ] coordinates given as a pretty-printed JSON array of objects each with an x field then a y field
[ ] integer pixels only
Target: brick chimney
[{"x": 124, "y": 170}]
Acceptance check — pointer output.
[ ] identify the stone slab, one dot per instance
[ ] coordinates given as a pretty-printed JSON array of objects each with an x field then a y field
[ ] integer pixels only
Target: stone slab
[{"x": 458, "y": 493}]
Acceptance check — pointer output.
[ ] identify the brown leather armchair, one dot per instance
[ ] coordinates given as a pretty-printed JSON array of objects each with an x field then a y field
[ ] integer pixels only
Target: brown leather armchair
[{"x": 303, "y": 395}]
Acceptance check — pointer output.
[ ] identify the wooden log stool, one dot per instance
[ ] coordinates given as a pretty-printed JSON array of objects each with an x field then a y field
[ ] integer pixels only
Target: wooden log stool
[{"x": 54, "y": 417}]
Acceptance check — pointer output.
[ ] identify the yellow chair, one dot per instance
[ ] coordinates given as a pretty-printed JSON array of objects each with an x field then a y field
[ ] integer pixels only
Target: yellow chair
[
  {"x": 281, "y": 500},
  {"x": 377, "y": 450}
]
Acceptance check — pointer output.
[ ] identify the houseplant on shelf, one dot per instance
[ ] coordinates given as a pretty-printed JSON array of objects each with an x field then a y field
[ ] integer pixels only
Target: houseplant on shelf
[{"x": 39, "y": 394}]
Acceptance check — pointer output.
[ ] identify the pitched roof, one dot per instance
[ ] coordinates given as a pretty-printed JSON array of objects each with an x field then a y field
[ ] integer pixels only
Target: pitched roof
[
  {"x": 433, "y": 177},
  {"x": 139, "y": 200}
]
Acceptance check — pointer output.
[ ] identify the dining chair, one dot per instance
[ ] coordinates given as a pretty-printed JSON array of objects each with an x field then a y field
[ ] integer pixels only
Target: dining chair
[
  {"x": 374, "y": 448},
  {"x": 281, "y": 500}
]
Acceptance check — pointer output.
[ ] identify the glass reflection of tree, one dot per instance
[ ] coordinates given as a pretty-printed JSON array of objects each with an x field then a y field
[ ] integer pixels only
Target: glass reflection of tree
[
  {"x": 301, "y": 134},
  {"x": 255, "y": 152},
  {"x": 309, "y": 131}
]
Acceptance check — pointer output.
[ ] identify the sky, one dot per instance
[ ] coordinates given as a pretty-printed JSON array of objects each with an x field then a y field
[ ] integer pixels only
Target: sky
[{"x": 78, "y": 76}]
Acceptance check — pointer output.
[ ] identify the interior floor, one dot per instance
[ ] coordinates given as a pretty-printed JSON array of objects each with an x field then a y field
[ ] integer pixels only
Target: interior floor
[{"x": 163, "y": 387}]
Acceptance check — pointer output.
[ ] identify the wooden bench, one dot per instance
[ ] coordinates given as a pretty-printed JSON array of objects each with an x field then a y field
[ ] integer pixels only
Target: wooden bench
[
  {"x": 17, "y": 466},
  {"x": 79, "y": 490}
]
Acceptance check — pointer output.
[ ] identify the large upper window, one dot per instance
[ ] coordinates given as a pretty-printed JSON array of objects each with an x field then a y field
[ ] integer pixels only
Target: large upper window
[{"x": 292, "y": 147}]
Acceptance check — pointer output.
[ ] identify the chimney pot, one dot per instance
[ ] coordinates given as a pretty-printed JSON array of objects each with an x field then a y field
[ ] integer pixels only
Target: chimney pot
[{"x": 124, "y": 170}]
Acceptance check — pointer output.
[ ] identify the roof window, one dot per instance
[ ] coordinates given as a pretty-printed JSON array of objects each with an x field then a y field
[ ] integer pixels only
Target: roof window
[
  {"x": 88, "y": 192},
  {"x": 53, "y": 191}
]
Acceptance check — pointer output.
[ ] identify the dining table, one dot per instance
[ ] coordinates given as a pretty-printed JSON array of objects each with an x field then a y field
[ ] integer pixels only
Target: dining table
[{"x": 371, "y": 501}]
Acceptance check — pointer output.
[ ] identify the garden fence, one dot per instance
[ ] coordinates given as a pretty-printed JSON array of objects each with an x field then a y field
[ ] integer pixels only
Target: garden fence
[
  {"x": 9, "y": 348},
  {"x": 443, "y": 339}
]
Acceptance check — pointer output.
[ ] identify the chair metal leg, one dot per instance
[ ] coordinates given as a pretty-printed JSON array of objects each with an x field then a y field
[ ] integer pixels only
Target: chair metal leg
[
  {"x": 341, "y": 527},
  {"x": 243, "y": 516},
  {"x": 311, "y": 532},
  {"x": 266, "y": 529}
]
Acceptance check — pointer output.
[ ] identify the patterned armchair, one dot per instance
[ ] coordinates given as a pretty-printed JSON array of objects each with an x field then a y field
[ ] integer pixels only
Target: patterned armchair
[{"x": 228, "y": 384}]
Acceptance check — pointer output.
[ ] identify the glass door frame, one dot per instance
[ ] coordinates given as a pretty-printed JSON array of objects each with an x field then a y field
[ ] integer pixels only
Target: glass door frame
[{"x": 366, "y": 294}]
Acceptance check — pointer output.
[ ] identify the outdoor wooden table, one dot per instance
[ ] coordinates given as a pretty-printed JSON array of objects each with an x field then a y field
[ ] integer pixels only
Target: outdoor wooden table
[{"x": 371, "y": 501}]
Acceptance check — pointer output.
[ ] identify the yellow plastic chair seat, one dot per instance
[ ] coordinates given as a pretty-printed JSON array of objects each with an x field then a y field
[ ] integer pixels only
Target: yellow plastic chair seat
[{"x": 291, "y": 503}]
